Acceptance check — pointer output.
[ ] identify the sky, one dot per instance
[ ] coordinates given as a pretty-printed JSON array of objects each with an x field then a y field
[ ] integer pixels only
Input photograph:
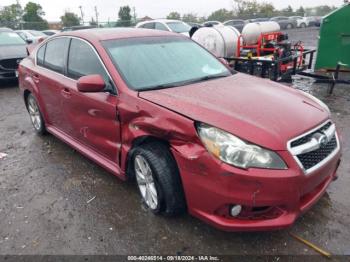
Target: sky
[{"x": 108, "y": 9}]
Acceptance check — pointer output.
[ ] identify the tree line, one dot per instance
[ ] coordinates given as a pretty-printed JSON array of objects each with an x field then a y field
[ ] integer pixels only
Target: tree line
[
  {"x": 248, "y": 9},
  {"x": 31, "y": 16}
]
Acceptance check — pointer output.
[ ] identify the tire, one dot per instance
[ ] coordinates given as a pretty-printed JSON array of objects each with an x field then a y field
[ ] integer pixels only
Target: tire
[
  {"x": 289, "y": 26},
  {"x": 302, "y": 25},
  {"x": 35, "y": 115},
  {"x": 165, "y": 176}
]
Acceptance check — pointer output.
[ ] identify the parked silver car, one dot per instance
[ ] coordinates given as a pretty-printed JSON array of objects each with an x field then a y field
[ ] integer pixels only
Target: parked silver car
[
  {"x": 31, "y": 36},
  {"x": 285, "y": 22},
  {"x": 166, "y": 25},
  {"x": 236, "y": 23}
]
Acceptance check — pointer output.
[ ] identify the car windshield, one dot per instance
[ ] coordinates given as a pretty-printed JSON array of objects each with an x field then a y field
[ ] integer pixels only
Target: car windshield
[
  {"x": 163, "y": 62},
  {"x": 10, "y": 38},
  {"x": 36, "y": 33},
  {"x": 179, "y": 27}
]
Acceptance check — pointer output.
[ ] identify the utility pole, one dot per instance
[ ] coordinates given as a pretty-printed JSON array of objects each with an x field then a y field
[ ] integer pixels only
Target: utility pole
[
  {"x": 134, "y": 11},
  {"x": 96, "y": 14},
  {"x": 82, "y": 14}
]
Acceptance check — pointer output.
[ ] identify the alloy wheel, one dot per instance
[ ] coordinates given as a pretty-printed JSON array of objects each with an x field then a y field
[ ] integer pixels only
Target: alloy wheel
[
  {"x": 145, "y": 182},
  {"x": 34, "y": 113}
]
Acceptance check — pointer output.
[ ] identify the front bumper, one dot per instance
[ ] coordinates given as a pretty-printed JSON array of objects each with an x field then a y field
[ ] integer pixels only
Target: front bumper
[{"x": 212, "y": 186}]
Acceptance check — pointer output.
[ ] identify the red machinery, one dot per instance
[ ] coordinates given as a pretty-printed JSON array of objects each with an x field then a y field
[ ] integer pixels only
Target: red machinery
[{"x": 272, "y": 46}]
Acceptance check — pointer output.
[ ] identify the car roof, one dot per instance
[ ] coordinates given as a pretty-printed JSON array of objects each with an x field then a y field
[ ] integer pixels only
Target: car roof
[
  {"x": 102, "y": 34},
  {"x": 5, "y": 29}
]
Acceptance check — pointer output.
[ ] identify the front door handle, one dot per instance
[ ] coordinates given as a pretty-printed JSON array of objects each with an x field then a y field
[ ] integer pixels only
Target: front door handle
[
  {"x": 66, "y": 93},
  {"x": 36, "y": 78}
]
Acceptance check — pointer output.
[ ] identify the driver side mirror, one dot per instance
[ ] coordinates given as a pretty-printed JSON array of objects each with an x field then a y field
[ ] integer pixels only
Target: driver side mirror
[
  {"x": 91, "y": 84},
  {"x": 29, "y": 41}
]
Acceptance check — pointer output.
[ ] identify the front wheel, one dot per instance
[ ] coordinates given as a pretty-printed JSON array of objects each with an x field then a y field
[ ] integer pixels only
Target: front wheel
[
  {"x": 303, "y": 25},
  {"x": 158, "y": 179},
  {"x": 35, "y": 115}
]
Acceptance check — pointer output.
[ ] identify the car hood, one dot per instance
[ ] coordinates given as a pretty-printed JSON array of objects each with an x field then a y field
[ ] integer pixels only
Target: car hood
[
  {"x": 257, "y": 110},
  {"x": 12, "y": 51}
]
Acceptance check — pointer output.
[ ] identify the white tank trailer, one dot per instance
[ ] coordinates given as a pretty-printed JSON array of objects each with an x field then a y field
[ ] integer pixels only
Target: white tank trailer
[
  {"x": 252, "y": 31},
  {"x": 219, "y": 40},
  {"x": 222, "y": 41}
]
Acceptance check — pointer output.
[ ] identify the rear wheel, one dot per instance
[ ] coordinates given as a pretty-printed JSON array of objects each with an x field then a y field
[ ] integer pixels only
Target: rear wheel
[
  {"x": 303, "y": 25},
  {"x": 158, "y": 179},
  {"x": 35, "y": 115},
  {"x": 289, "y": 26}
]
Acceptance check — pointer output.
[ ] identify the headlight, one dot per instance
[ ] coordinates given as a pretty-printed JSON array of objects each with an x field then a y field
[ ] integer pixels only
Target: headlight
[{"x": 234, "y": 151}]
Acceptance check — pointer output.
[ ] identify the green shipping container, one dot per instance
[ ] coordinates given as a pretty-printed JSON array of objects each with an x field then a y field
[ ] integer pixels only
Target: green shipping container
[{"x": 334, "y": 42}]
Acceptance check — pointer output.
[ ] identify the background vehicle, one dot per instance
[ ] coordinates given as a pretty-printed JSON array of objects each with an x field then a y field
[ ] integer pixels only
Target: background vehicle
[
  {"x": 285, "y": 22},
  {"x": 255, "y": 20},
  {"x": 318, "y": 21},
  {"x": 302, "y": 22},
  {"x": 191, "y": 24},
  {"x": 77, "y": 27},
  {"x": 31, "y": 36},
  {"x": 50, "y": 32},
  {"x": 12, "y": 51},
  {"x": 238, "y": 24},
  {"x": 166, "y": 25},
  {"x": 211, "y": 23}
]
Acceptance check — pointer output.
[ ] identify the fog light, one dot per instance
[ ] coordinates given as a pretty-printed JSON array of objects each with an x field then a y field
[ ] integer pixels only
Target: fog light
[{"x": 235, "y": 210}]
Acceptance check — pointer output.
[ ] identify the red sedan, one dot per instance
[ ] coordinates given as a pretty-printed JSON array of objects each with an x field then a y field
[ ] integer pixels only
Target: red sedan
[{"x": 238, "y": 152}]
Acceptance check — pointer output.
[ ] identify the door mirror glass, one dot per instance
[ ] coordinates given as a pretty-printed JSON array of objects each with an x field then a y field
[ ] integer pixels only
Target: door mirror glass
[{"x": 91, "y": 83}]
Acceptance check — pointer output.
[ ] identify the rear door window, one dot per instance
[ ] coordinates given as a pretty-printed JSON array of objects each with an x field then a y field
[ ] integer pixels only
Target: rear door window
[{"x": 55, "y": 54}]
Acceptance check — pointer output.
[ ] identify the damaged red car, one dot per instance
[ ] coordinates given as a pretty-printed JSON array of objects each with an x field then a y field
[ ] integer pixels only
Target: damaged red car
[{"x": 239, "y": 152}]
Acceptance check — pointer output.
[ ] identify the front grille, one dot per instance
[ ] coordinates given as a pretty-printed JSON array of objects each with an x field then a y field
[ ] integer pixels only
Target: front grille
[
  {"x": 311, "y": 149},
  {"x": 307, "y": 138},
  {"x": 311, "y": 159},
  {"x": 10, "y": 64}
]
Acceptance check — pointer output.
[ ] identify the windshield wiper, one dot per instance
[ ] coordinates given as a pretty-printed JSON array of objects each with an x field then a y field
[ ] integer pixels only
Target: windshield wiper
[
  {"x": 209, "y": 77},
  {"x": 162, "y": 86},
  {"x": 183, "y": 83}
]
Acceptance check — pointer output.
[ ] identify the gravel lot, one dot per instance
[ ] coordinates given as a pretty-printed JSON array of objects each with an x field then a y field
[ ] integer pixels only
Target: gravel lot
[{"x": 45, "y": 186}]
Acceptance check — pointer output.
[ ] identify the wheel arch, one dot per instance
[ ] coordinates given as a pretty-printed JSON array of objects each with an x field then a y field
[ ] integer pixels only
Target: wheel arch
[
  {"x": 29, "y": 87},
  {"x": 26, "y": 93},
  {"x": 136, "y": 142}
]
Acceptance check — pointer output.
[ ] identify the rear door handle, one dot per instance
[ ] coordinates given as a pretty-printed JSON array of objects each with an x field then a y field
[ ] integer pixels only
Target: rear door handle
[{"x": 66, "y": 93}]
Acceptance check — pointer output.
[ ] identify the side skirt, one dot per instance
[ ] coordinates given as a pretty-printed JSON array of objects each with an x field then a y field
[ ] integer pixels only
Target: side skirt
[{"x": 88, "y": 152}]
